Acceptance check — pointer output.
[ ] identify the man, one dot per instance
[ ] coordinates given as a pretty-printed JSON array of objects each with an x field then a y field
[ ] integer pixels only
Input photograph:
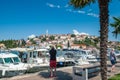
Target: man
[{"x": 52, "y": 53}]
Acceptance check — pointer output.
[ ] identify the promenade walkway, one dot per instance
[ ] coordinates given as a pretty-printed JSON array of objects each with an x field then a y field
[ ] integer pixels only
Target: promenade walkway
[{"x": 64, "y": 73}]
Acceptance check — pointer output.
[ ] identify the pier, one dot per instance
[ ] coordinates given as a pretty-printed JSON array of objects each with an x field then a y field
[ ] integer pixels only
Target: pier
[{"x": 64, "y": 73}]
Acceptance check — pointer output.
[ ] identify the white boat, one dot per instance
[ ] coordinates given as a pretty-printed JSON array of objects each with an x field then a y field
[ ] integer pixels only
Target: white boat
[
  {"x": 11, "y": 65},
  {"x": 33, "y": 57},
  {"x": 89, "y": 55},
  {"x": 39, "y": 57},
  {"x": 80, "y": 59},
  {"x": 72, "y": 57},
  {"x": 23, "y": 53},
  {"x": 64, "y": 58},
  {"x": 80, "y": 56}
]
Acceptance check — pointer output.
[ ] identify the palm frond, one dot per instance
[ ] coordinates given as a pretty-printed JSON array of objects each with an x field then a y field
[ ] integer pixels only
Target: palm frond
[
  {"x": 115, "y": 33},
  {"x": 116, "y": 26},
  {"x": 116, "y": 19},
  {"x": 81, "y": 3},
  {"x": 112, "y": 25}
]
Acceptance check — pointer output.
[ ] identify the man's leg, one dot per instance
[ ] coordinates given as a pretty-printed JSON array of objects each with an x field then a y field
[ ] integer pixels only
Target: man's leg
[
  {"x": 51, "y": 72},
  {"x": 54, "y": 71}
]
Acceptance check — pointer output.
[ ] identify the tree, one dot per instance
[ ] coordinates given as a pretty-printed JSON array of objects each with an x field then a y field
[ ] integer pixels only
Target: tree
[
  {"x": 68, "y": 44},
  {"x": 9, "y": 43},
  {"x": 104, "y": 18},
  {"x": 96, "y": 41},
  {"x": 33, "y": 42},
  {"x": 52, "y": 37},
  {"x": 116, "y": 26},
  {"x": 73, "y": 35},
  {"x": 87, "y": 41},
  {"x": 43, "y": 39}
]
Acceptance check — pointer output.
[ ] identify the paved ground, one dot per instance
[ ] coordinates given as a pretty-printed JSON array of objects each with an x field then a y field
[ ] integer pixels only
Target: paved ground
[{"x": 64, "y": 73}]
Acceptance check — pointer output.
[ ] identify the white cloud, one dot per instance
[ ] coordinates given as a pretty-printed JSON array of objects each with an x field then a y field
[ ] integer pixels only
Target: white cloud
[
  {"x": 78, "y": 33},
  {"x": 90, "y": 10},
  {"x": 31, "y": 36},
  {"x": 79, "y": 11},
  {"x": 69, "y": 10},
  {"x": 66, "y": 6},
  {"x": 58, "y": 6},
  {"x": 93, "y": 14},
  {"x": 52, "y": 5},
  {"x": 83, "y": 12}
]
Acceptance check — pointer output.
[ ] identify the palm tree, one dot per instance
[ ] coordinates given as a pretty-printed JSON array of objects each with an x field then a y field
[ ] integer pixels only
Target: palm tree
[
  {"x": 104, "y": 21},
  {"x": 116, "y": 26}
]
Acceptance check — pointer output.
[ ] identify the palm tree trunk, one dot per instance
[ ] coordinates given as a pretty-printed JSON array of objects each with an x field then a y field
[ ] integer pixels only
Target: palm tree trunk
[{"x": 104, "y": 20}]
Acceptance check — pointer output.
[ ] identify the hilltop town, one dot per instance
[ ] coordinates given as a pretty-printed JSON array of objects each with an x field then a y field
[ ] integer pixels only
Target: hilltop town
[{"x": 75, "y": 41}]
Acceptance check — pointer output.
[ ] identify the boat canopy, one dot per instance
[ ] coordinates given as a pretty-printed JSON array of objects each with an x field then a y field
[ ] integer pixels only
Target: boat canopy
[
  {"x": 21, "y": 49},
  {"x": 41, "y": 50}
]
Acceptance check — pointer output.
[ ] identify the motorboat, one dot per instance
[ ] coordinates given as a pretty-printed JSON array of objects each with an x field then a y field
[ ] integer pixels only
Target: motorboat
[
  {"x": 89, "y": 55},
  {"x": 72, "y": 57},
  {"x": 39, "y": 57},
  {"x": 64, "y": 58},
  {"x": 33, "y": 57},
  {"x": 11, "y": 65},
  {"x": 23, "y": 53},
  {"x": 80, "y": 59}
]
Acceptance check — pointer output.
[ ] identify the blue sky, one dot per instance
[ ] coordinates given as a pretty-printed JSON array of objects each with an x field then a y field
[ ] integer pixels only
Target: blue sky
[{"x": 21, "y": 18}]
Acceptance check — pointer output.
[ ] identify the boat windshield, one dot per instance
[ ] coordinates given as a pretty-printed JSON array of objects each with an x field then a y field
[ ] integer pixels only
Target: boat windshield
[
  {"x": 8, "y": 60},
  {"x": 117, "y": 52},
  {"x": 83, "y": 52},
  {"x": 16, "y": 59},
  {"x": 1, "y": 61},
  {"x": 15, "y": 52},
  {"x": 90, "y": 53}
]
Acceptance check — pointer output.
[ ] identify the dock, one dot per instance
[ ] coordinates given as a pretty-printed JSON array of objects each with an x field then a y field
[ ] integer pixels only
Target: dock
[{"x": 64, "y": 73}]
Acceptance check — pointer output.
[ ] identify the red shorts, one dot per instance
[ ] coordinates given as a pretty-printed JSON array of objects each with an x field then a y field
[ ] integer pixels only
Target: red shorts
[{"x": 52, "y": 63}]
